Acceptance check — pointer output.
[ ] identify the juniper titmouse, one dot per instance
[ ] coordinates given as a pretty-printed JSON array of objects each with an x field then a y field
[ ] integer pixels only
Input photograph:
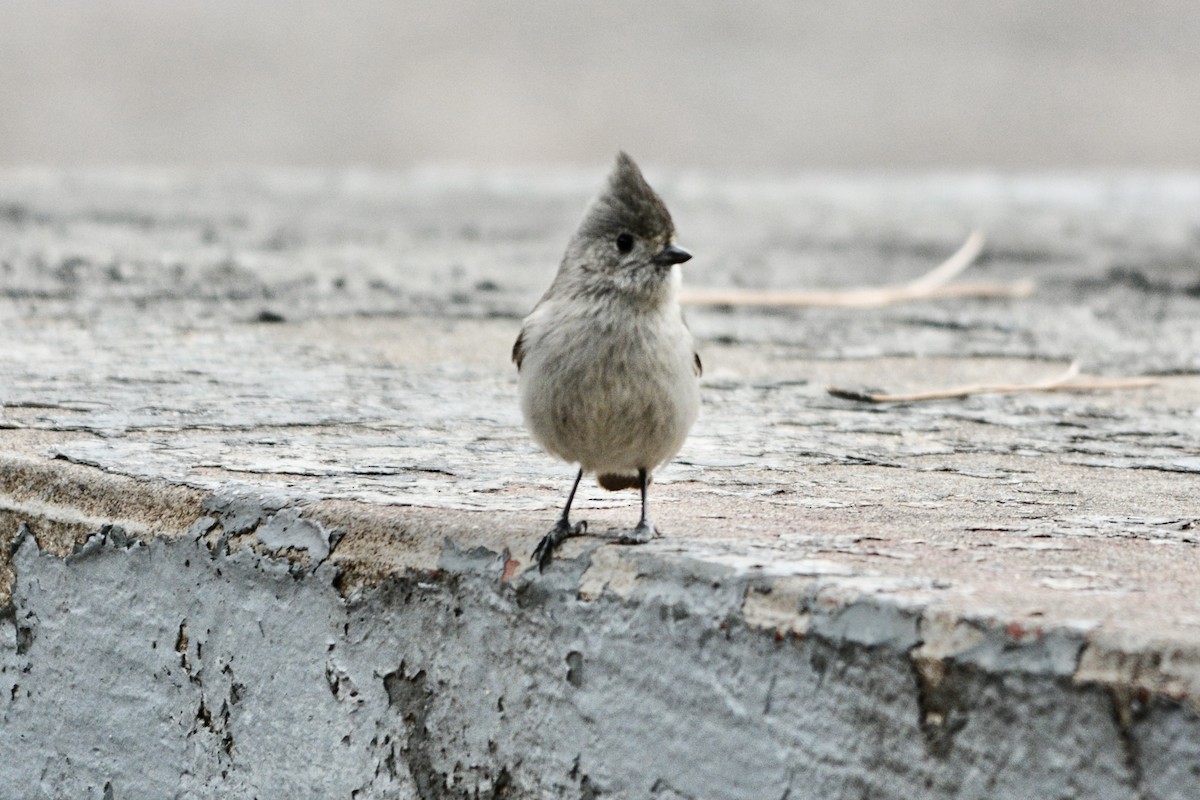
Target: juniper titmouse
[{"x": 608, "y": 374}]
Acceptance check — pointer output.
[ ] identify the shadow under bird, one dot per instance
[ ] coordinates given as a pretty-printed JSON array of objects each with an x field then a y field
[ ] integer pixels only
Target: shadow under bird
[{"x": 609, "y": 375}]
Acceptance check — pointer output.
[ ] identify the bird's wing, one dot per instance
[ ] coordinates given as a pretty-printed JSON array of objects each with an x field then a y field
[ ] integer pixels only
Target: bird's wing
[{"x": 518, "y": 354}]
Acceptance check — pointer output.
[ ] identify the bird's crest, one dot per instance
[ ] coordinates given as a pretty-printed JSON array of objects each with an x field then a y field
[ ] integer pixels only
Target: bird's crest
[{"x": 628, "y": 204}]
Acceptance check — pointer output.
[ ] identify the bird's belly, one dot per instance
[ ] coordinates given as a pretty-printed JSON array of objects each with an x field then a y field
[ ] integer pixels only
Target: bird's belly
[{"x": 616, "y": 411}]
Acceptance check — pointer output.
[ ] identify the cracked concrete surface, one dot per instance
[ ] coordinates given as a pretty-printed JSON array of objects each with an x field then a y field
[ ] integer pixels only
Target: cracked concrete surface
[{"x": 266, "y": 505}]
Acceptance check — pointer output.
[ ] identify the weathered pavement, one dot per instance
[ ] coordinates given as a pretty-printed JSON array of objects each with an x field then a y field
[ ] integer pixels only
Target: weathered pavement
[{"x": 266, "y": 504}]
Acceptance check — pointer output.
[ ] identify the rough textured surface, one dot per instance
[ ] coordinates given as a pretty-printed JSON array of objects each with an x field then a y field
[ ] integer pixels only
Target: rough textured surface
[{"x": 266, "y": 505}]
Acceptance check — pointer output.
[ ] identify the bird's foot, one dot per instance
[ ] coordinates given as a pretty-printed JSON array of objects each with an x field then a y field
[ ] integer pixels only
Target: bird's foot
[
  {"x": 643, "y": 533},
  {"x": 550, "y": 542}
]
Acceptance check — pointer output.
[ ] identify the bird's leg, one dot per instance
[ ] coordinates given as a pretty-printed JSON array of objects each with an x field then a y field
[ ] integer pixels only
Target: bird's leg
[
  {"x": 644, "y": 531},
  {"x": 562, "y": 530}
]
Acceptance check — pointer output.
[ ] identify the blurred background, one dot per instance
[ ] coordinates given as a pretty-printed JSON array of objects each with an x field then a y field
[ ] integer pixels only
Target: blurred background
[{"x": 854, "y": 84}]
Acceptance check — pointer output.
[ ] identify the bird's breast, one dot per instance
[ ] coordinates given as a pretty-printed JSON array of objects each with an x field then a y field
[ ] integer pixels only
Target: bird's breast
[{"x": 611, "y": 393}]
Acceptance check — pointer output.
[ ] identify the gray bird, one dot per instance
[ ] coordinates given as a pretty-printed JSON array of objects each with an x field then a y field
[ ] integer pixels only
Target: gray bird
[{"x": 609, "y": 376}]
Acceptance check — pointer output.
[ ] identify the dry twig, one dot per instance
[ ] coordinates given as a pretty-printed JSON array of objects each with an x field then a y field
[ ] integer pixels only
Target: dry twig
[
  {"x": 931, "y": 285},
  {"x": 1066, "y": 382}
]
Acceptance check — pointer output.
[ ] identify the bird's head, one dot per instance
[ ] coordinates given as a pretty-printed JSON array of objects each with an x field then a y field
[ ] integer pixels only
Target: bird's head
[{"x": 627, "y": 236}]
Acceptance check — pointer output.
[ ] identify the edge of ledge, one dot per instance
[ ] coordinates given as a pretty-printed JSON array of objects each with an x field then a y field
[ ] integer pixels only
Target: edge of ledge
[{"x": 68, "y": 510}]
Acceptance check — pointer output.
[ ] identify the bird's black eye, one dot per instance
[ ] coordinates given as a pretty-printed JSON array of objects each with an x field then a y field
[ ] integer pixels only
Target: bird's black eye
[{"x": 625, "y": 242}]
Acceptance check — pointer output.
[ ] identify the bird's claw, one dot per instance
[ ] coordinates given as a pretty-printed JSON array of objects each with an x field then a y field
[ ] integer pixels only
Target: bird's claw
[
  {"x": 544, "y": 553},
  {"x": 643, "y": 533}
]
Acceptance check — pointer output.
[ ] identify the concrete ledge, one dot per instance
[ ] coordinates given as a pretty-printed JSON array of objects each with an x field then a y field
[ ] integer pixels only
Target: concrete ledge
[{"x": 249, "y": 557}]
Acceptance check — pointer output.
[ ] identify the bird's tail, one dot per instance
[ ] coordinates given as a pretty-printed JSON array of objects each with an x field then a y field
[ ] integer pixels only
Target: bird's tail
[{"x": 615, "y": 482}]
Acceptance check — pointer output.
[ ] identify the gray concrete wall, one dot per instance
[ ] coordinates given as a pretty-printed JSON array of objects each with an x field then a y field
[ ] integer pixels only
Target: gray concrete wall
[
  {"x": 266, "y": 506},
  {"x": 170, "y": 667}
]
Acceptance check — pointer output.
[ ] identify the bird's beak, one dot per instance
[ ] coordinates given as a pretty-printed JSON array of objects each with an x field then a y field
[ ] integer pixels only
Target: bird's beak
[{"x": 671, "y": 255}]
